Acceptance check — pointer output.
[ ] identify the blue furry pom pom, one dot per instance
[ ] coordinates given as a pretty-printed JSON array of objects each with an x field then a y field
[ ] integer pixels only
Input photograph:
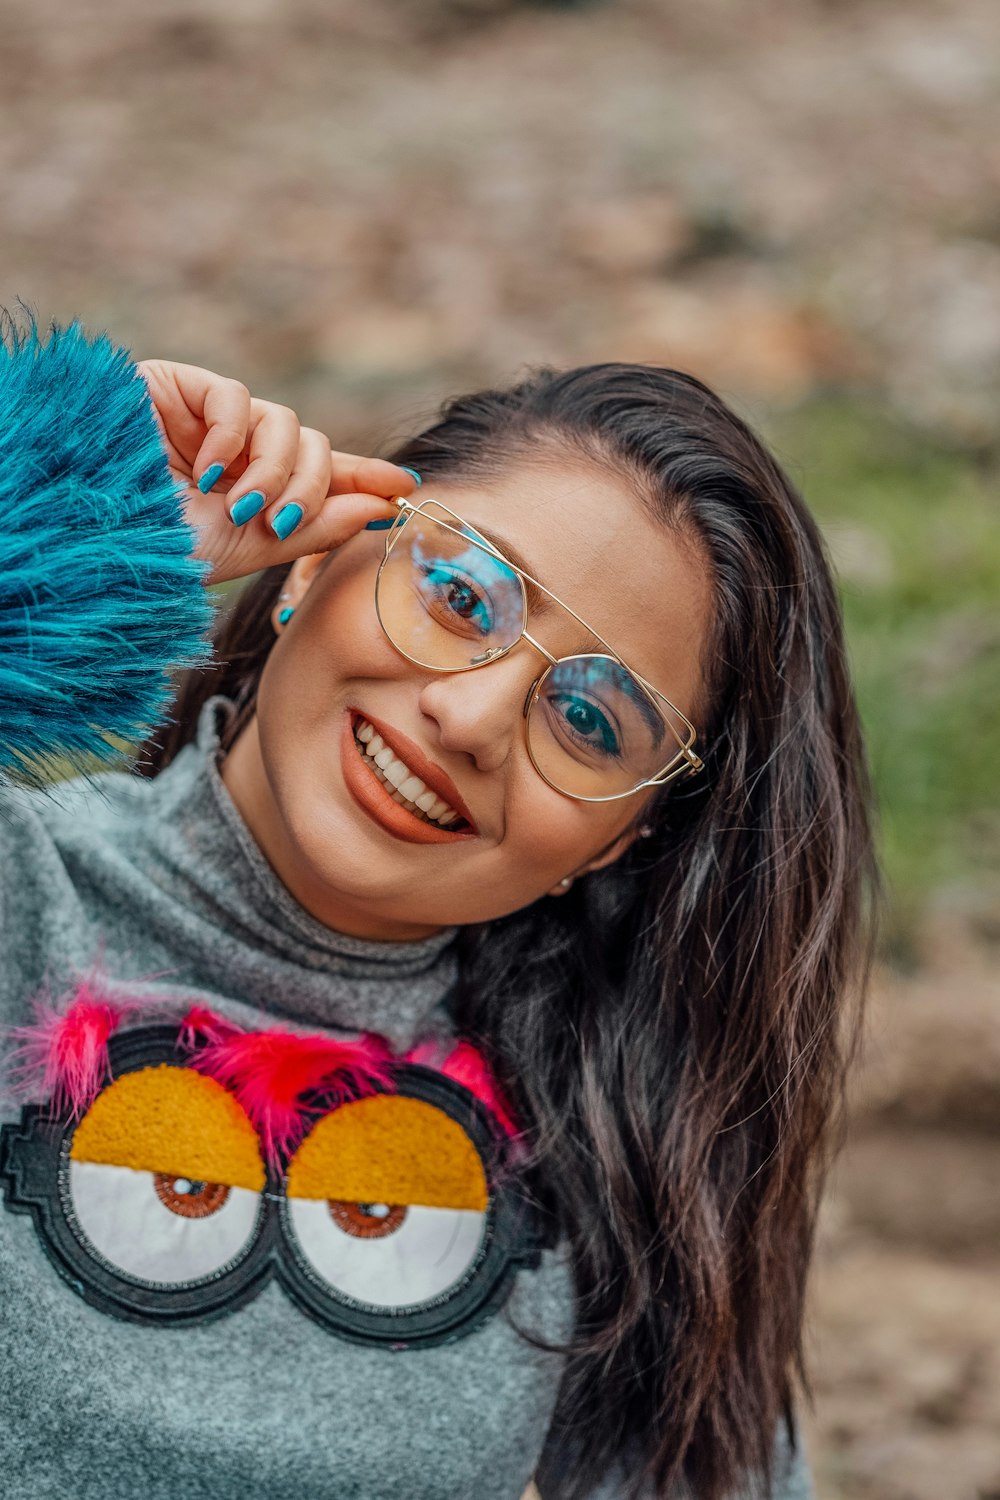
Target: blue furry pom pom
[{"x": 100, "y": 599}]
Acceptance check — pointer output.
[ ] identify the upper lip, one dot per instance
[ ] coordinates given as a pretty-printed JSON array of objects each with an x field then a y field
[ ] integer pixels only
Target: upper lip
[{"x": 434, "y": 778}]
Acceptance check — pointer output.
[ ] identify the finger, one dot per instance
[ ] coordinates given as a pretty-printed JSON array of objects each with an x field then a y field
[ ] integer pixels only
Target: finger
[
  {"x": 339, "y": 518},
  {"x": 178, "y": 393},
  {"x": 303, "y": 495},
  {"x": 223, "y": 406},
  {"x": 272, "y": 453},
  {"x": 353, "y": 474}
]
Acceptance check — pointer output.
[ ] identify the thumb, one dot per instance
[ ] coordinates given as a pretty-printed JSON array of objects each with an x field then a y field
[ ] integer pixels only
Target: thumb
[{"x": 344, "y": 516}]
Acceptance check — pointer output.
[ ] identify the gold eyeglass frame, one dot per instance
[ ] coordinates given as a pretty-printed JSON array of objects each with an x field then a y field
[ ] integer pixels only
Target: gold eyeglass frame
[{"x": 690, "y": 765}]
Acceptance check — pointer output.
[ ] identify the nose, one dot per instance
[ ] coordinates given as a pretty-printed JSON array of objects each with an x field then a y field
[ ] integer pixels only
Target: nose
[{"x": 480, "y": 713}]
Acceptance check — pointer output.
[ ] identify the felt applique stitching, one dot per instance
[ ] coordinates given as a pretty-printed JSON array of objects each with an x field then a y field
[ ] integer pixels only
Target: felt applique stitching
[{"x": 380, "y": 1194}]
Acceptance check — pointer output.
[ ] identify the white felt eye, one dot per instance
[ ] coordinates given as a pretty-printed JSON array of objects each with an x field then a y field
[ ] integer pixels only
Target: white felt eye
[
  {"x": 158, "y": 1228},
  {"x": 387, "y": 1255}
]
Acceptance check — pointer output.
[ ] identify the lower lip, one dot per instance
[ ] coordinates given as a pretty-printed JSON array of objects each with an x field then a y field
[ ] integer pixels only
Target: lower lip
[{"x": 370, "y": 795}]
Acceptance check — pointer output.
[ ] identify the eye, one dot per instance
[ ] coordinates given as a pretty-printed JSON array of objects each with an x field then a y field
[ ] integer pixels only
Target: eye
[
  {"x": 367, "y": 1221},
  {"x": 165, "y": 1177},
  {"x": 187, "y": 1199},
  {"x": 387, "y": 1203},
  {"x": 582, "y": 722},
  {"x": 424, "y": 1252},
  {"x": 158, "y": 1228},
  {"x": 453, "y": 599}
]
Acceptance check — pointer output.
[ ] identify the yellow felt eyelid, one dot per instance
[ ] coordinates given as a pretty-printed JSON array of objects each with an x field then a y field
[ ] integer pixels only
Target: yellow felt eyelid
[
  {"x": 390, "y": 1149},
  {"x": 170, "y": 1119}
]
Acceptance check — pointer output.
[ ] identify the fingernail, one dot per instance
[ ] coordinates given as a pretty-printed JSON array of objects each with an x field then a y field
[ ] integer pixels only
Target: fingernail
[
  {"x": 407, "y": 470},
  {"x": 211, "y": 477},
  {"x": 246, "y": 507},
  {"x": 286, "y": 520},
  {"x": 381, "y": 525}
]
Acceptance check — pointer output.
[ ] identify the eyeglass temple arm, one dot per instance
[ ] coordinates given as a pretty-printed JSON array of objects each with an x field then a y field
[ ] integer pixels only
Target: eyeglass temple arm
[{"x": 693, "y": 766}]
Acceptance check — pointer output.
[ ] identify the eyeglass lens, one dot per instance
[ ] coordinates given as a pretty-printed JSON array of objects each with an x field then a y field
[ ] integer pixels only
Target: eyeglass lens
[{"x": 447, "y": 603}]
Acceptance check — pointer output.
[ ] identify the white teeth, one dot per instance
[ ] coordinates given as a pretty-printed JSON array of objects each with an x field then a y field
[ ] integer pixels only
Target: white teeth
[
  {"x": 397, "y": 773},
  {"x": 406, "y": 789}
]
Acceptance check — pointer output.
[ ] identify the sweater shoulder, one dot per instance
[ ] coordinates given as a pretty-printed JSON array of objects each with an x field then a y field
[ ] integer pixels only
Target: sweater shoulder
[{"x": 42, "y": 911}]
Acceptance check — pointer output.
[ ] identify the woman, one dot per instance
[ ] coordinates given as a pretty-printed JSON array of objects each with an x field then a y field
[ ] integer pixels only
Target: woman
[{"x": 553, "y": 756}]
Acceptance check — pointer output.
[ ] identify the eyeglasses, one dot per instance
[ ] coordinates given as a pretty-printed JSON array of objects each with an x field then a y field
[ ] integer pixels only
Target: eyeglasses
[{"x": 448, "y": 600}]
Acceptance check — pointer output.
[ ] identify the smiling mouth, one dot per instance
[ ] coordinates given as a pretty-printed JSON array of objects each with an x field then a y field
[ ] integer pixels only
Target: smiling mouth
[{"x": 402, "y": 784}]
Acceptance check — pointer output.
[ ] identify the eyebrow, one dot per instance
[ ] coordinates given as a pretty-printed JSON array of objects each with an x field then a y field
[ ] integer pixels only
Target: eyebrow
[
  {"x": 652, "y": 716},
  {"x": 538, "y": 602}
]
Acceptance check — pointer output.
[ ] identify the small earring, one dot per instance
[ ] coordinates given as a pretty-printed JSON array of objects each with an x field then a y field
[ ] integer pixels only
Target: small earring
[
  {"x": 285, "y": 614},
  {"x": 645, "y": 831},
  {"x": 566, "y": 882}
]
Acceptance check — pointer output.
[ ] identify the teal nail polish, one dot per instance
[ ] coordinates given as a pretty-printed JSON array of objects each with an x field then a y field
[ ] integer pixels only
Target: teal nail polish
[
  {"x": 380, "y": 525},
  {"x": 211, "y": 477},
  {"x": 247, "y": 506},
  {"x": 406, "y": 469},
  {"x": 286, "y": 520}
]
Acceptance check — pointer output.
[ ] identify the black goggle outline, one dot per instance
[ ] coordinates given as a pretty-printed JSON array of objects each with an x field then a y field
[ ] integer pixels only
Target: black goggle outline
[{"x": 34, "y": 1178}]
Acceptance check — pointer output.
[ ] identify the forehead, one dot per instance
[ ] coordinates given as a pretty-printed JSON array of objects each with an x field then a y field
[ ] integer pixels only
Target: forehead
[{"x": 589, "y": 539}]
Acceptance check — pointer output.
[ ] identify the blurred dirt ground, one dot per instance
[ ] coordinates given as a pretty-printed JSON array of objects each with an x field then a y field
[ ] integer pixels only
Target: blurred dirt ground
[
  {"x": 904, "y": 1325},
  {"x": 359, "y": 208}
]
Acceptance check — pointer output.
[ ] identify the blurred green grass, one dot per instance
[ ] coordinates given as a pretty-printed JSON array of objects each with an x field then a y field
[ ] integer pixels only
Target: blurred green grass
[{"x": 912, "y": 528}]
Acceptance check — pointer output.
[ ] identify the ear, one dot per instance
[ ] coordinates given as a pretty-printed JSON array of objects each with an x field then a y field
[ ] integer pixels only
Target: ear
[
  {"x": 611, "y": 852},
  {"x": 603, "y": 858},
  {"x": 298, "y": 581}
]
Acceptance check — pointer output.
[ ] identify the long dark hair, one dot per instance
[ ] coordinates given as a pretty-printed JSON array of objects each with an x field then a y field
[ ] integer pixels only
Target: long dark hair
[{"x": 679, "y": 1026}]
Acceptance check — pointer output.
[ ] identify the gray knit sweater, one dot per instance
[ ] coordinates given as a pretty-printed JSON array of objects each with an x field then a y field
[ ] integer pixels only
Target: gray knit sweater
[{"x": 155, "y": 892}]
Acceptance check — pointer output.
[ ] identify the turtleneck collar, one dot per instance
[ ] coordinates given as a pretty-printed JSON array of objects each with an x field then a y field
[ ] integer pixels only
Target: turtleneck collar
[
  {"x": 271, "y": 901},
  {"x": 177, "y": 852}
]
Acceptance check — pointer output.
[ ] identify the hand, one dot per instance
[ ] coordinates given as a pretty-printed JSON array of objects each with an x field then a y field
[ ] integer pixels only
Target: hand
[{"x": 292, "y": 494}]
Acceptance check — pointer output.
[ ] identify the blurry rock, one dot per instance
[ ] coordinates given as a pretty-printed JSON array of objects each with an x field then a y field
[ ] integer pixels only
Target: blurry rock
[
  {"x": 732, "y": 331},
  {"x": 931, "y": 311},
  {"x": 944, "y": 68},
  {"x": 376, "y": 339},
  {"x": 932, "y": 1051},
  {"x": 628, "y": 236},
  {"x": 934, "y": 1189},
  {"x": 905, "y": 1349}
]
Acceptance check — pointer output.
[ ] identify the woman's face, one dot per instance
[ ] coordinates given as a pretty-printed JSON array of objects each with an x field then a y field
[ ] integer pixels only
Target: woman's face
[{"x": 314, "y": 803}]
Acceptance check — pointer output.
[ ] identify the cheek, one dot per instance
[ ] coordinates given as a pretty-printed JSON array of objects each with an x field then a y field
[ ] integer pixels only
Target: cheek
[
  {"x": 337, "y": 637},
  {"x": 548, "y": 836}
]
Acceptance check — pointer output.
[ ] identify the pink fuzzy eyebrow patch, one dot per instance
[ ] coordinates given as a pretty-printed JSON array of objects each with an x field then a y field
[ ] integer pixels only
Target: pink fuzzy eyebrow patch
[
  {"x": 64, "y": 1053},
  {"x": 272, "y": 1073},
  {"x": 275, "y": 1074}
]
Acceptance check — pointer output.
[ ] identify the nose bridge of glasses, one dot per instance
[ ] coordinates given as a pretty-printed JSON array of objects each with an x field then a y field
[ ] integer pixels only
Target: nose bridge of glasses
[
  {"x": 539, "y": 648},
  {"x": 491, "y": 700}
]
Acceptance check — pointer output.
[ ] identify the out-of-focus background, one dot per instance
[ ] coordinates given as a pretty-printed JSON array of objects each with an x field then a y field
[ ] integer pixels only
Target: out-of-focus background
[{"x": 358, "y": 208}]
